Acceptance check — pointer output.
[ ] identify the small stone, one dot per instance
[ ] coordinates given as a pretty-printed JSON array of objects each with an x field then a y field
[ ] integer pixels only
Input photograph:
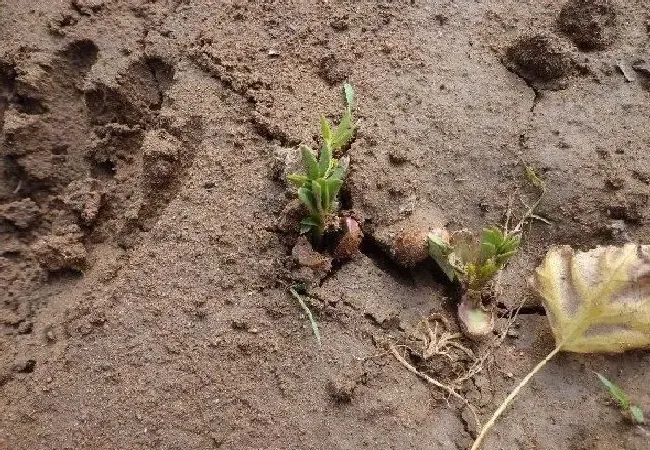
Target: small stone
[
  {"x": 273, "y": 53},
  {"x": 411, "y": 246}
]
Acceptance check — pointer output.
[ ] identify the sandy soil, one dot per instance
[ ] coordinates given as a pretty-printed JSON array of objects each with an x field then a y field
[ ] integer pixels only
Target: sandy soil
[{"x": 143, "y": 274}]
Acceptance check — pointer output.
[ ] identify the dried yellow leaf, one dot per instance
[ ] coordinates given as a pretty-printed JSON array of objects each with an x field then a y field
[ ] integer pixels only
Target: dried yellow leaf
[
  {"x": 596, "y": 301},
  {"x": 599, "y": 300}
]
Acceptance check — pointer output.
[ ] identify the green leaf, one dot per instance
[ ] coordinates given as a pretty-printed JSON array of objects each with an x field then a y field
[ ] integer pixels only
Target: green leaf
[
  {"x": 318, "y": 195},
  {"x": 307, "y": 198},
  {"x": 303, "y": 305},
  {"x": 325, "y": 160},
  {"x": 503, "y": 258},
  {"x": 492, "y": 235},
  {"x": 488, "y": 250},
  {"x": 326, "y": 129},
  {"x": 439, "y": 252},
  {"x": 297, "y": 180},
  {"x": 337, "y": 173},
  {"x": 511, "y": 245},
  {"x": 637, "y": 415},
  {"x": 344, "y": 132},
  {"x": 325, "y": 195},
  {"x": 305, "y": 227},
  {"x": 308, "y": 223},
  {"x": 309, "y": 160},
  {"x": 333, "y": 187},
  {"x": 615, "y": 391},
  {"x": 348, "y": 91},
  {"x": 487, "y": 272}
]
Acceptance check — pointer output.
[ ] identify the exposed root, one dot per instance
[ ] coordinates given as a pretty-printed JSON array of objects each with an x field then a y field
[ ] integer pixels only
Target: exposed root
[
  {"x": 437, "y": 342},
  {"x": 479, "y": 363},
  {"x": 448, "y": 389}
]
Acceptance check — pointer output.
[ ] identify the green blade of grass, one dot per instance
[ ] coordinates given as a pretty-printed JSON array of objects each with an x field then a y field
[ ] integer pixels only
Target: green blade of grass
[
  {"x": 637, "y": 415},
  {"x": 297, "y": 180},
  {"x": 307, "y": 198},
  {"x": 615, "y": 392},
  {"x": 312, "y": 321}
]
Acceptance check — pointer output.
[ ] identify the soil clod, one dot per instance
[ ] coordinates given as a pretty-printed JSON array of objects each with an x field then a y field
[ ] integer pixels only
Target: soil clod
[{"x": 590, "y": 24}]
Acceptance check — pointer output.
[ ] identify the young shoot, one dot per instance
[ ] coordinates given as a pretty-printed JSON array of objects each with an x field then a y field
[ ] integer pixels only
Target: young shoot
[
  {"x": 318, "y": 188},
  {"x": 631, "y": 411},
  {"x": 474, "y": 263}
]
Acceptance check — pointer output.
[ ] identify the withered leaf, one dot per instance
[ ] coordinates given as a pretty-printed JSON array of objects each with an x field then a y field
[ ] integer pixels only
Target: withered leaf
[{"x": 599, "y": 300}]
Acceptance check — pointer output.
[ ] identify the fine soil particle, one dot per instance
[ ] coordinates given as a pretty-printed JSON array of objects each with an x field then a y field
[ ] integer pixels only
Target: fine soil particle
[{"x": 148, "y": 237}]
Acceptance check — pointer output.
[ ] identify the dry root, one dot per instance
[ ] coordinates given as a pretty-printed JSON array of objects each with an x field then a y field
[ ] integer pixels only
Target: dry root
[{"x": 448, "y": 389}]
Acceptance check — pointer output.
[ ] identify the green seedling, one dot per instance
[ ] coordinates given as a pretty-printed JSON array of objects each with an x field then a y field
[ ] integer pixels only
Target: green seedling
[
  {"x": 318, "y": 188},
  {"x": 629, "y": 410},
  {"x": 474, "y": 264},
  {"x": 295, "y": 291}
]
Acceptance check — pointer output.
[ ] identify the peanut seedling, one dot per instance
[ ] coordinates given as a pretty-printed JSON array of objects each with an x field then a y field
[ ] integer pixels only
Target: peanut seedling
[{"x": 318, "y": 188}]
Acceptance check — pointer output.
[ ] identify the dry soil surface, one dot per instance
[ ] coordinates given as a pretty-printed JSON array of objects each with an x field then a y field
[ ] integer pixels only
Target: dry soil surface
[{"x": 143, "y": 274}]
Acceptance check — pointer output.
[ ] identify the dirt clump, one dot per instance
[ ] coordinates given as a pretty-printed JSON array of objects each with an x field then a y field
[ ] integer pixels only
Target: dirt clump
[
  {"x": 22, "y": 213},
  {"x": 590, "y": 24},
  {"x": 341, "y": 389},
  {"x": 405, "y": 241},
  {"x": 84, "y": 198},
  {"x": 539, "y": 58},
  {"x": 313, "y": 266},
  {"x": 61, "y": 251}
]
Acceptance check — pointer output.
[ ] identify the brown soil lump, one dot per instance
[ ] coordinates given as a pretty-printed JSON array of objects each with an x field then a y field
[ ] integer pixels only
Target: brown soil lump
[
  {"x": 538, "y": 58},
  {"x": 590, "y": 24},
  {"x": 411, "y": 246},
  {"x": 21, "y": 214}
]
